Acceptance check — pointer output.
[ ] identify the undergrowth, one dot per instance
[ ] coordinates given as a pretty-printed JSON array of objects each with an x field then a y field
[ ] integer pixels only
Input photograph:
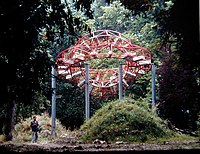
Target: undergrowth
[
  {"x": 125, "y": 120},
  {"x": 23, "y": 130}
]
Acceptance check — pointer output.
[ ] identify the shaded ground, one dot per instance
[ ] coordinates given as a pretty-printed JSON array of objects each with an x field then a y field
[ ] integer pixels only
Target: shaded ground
[
  {"x": 61, "y": 148},
  {"x": 68, "y": 143}
]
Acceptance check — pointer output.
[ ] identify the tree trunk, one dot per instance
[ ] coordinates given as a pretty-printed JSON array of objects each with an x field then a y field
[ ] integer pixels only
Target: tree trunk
[{"x": 9, "y": 124}]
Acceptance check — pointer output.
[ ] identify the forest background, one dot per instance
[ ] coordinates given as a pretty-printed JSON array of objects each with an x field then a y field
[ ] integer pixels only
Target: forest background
[{"x": 34, "y": 32}]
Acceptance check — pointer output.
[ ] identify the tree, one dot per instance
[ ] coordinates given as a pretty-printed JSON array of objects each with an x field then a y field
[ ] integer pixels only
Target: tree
[
  {"x": 25, "y": 64},
  {"x": 180, "y": 70},
  {"x": 161, "y": 27},
  {"x": 178, "y": 103},
  {"x": 140, "y": 26},
  {"x": 70, "y": 104},
  {"x": 23, "y": 68}
]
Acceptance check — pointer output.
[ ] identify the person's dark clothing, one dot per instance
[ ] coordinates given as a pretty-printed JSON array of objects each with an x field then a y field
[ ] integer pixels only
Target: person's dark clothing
[{"x": 34, "y": 127}]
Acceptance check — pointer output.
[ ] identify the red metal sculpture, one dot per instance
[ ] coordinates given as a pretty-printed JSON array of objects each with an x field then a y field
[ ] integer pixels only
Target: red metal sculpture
[{"x": 96, "y": 48}]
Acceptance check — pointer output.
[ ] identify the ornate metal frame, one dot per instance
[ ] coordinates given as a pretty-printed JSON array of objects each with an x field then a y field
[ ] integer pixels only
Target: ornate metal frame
[{"x": 103, "y": 45}]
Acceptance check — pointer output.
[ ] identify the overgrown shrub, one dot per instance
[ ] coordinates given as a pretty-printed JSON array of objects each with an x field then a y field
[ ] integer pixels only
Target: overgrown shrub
[{"x": 124, "y": 120}]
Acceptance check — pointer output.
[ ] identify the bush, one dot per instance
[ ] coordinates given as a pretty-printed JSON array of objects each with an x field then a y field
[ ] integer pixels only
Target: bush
[{"x": 124, "y": 120}]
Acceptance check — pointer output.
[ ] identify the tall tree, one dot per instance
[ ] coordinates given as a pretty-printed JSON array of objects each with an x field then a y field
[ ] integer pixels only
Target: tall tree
[
  {"x": 24, "y": 64},
  {"x": 180, "y": 70},
  {"x": 23, "y": 68}
]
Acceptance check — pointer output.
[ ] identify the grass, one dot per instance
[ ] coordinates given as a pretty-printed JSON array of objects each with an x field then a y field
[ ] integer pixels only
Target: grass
[{"x": 23, "y": 131}]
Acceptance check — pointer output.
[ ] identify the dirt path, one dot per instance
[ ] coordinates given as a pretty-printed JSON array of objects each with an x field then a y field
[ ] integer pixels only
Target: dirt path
[{"x": 69, "y": 144}]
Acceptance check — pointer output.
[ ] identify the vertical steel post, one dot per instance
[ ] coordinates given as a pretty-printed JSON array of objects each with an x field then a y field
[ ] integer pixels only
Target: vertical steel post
[
  {"x": 120, "y": 82},
  {"x": 87, "y": 92},
  {"x": 53, "y": 114},
  {"x": 153, "y": 86}
]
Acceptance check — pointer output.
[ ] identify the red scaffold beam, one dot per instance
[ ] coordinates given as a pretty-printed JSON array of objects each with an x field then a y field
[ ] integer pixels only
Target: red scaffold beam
[{"x": 99, "y": 46}]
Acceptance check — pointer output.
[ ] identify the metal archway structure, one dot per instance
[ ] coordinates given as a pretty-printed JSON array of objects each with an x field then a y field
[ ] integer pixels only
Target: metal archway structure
[{"x": 97, "y": 47}]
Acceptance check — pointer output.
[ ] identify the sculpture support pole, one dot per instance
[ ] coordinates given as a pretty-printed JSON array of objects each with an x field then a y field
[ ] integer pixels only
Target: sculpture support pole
[
  {"x": 120, "y": 82},
  {"x": 87, "y": 93},
  {"x": 153, "y": 87},
  {"x": 53, "y": 108}
]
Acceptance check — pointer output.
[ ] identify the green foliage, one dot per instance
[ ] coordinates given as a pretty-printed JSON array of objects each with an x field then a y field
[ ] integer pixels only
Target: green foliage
[
  {"x": 70, "y": 104},
  {"x": 106, "y": 63},
  {"x": 138, "y": 5},
  {"x": 124, "y": 120},
  {"x": 141, "y": 27},
  {"x": 39, "y": 104},
  {"x": 114, "y": 17},
  {"x": 37, "y": 31},
  {"x": 140, "y": 88},
  {"x": 30, "y": 39}
]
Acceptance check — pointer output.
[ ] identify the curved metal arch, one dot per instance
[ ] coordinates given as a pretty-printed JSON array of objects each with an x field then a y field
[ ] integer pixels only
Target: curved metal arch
[{"x": 103, "y": 44}]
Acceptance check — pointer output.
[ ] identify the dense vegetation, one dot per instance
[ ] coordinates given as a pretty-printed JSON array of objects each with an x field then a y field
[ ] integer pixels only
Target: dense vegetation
[
  {"x": 118, "y": 121},
  {"x": 127, "y": 121},
  {"x": 33, "y": 32}
]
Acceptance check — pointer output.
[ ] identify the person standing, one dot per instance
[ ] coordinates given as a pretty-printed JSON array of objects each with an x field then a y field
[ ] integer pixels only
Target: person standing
[{"x": 34, "y": 127}]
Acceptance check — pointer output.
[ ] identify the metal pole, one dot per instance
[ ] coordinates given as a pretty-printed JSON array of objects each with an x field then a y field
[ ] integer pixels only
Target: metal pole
[
  {"x": 153, "y": 86},
  {"x": 120, "y": 81},
  {"x": 53, "y": 84},
  {"x": 87, "y": 95}
]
